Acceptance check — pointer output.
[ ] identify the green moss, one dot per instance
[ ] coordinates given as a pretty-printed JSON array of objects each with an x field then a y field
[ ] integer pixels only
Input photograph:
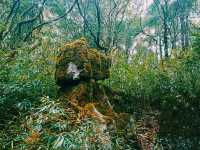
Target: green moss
[
  {"x": 90, "y": 63},
  {"x": 77, "y": 94}
]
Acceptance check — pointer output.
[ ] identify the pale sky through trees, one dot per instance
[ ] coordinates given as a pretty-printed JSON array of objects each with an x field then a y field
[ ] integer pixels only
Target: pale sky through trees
[{"x": 139, "y": 7}]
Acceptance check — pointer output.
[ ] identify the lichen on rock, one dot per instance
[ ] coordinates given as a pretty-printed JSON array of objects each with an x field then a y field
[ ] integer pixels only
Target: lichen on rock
[{"x": 73, "y": 70}]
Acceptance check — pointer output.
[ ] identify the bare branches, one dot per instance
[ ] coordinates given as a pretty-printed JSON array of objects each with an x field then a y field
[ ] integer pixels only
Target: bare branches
[
  {"x": 13, "y": 27},
  {"x": 97, "y": 36},
  {"x": 14, "y": 6},
  {"x": 51, "y": 21}
]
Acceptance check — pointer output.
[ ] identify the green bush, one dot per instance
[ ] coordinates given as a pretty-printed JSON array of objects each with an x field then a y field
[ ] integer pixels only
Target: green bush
[
  {"x": 26, "y": 75},
  {"x": 51, "y": 126},
  {"x": 171, "y": 86}
]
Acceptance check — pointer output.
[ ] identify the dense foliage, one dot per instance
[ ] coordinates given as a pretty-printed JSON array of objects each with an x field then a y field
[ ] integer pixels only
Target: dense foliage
[
  {"x": 26, "y": 75},
  {"x": 170, "y": 86},
  {"x": 99, "y": 74}
]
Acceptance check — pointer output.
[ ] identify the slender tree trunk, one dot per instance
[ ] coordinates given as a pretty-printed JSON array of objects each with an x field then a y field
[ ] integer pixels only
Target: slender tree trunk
[
  {"x": 165, "y": 39},
  {"x": 186, "y": 32},
  {"x": 182, "y": 23},
  {"x": 160, "y": 48}
]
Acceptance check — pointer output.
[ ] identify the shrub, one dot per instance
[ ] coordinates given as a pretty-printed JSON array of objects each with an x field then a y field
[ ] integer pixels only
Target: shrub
[
  {"x": 25, "y": 75},
  {"x": 171, "y": 86},
  {"x": 51, "y": 126}
]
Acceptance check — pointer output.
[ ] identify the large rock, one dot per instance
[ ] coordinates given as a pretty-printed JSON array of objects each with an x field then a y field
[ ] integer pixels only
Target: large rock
[{"x": 77, "y": 62}]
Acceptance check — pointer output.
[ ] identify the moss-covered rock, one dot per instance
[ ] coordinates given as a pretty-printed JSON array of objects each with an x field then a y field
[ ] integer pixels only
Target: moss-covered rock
[
  {"x": 77, "y": 62},
  {"x": 83, "y": 93}
]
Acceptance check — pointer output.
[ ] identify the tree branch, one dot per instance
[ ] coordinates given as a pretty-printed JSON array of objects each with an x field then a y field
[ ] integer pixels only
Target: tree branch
[{"x": 51, "y": 21}]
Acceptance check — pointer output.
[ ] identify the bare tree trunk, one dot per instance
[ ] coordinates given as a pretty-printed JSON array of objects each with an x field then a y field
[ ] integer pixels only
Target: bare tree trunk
[
  {"x": 98, "y": 13},
  {"x": 165, "y": 38},
  {"x": 186, "y": 32},
  {"x": 160, "y": 48},
  {"x": 182, "y": 32}
]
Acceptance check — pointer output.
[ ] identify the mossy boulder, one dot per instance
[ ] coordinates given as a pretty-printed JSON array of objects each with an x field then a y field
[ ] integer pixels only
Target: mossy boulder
[
  {"x": 77, "y": 62},
  {"x": 83, "y": 93}
]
